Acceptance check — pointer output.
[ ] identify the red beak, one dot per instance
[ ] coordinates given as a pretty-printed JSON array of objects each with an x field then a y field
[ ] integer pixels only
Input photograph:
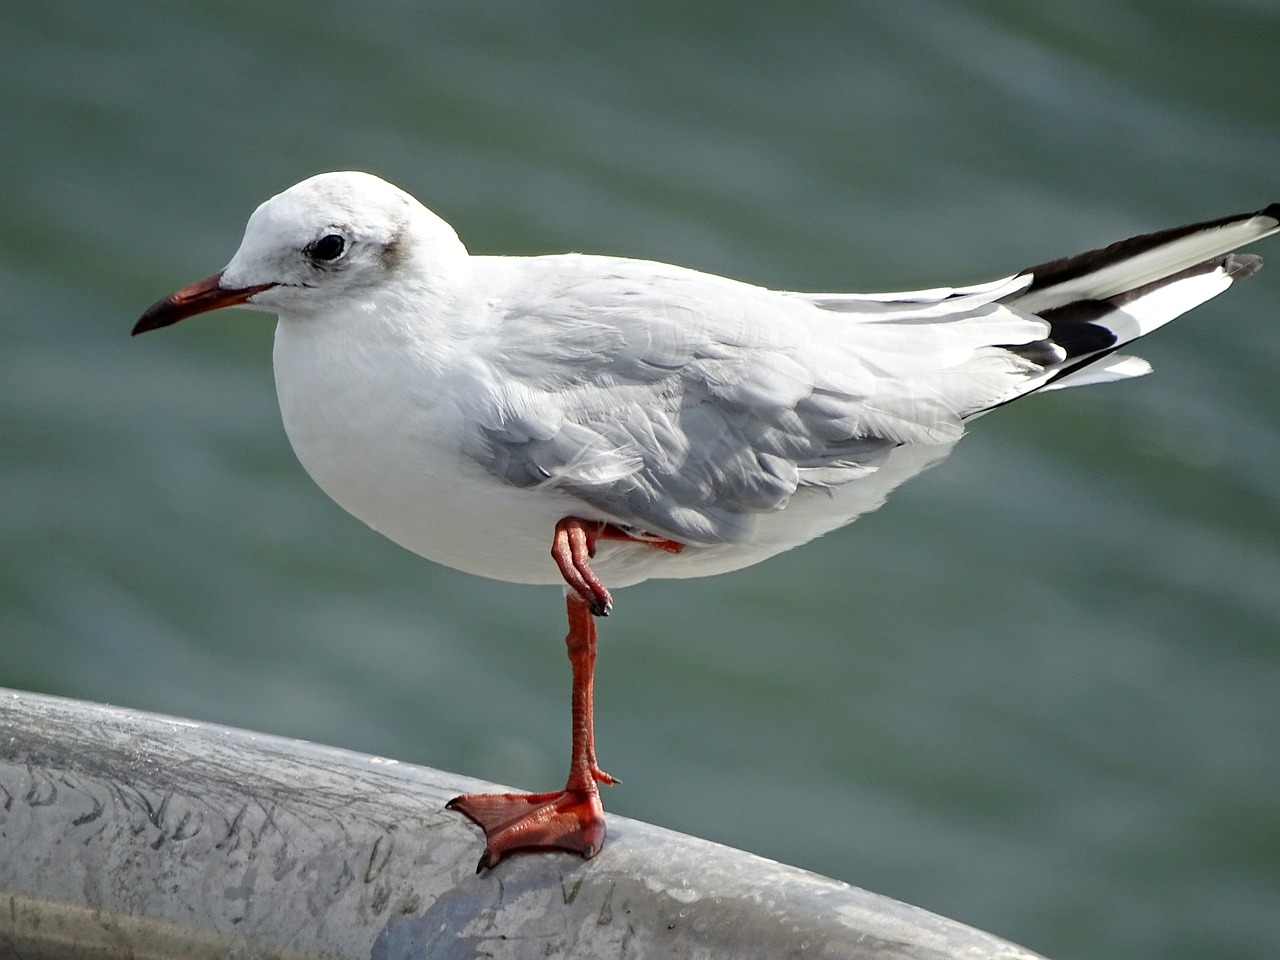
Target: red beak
[{"x": 198, "y": 298}]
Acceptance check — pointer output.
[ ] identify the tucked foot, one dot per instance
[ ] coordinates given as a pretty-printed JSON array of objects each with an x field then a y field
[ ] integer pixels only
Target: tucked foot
[
  {"x": 571, "y": 820},
  {"x": 573, "y": 547}
]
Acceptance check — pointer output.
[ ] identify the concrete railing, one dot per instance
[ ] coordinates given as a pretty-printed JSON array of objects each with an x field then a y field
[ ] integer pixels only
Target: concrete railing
[{"x": 125, "y": 834}]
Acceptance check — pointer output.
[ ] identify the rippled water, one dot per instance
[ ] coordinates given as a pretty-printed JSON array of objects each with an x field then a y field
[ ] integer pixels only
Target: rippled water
[{"x": 1038, "y": 692}]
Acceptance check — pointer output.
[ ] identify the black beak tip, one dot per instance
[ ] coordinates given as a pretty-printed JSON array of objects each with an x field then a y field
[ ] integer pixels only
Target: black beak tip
[{"x": 162, "y": 313}]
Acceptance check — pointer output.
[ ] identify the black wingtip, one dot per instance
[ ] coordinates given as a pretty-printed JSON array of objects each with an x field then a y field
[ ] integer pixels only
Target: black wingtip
[{"x": 1054, "y": 272}]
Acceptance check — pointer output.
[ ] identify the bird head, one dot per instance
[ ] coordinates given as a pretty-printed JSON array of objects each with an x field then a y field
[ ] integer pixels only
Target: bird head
[{"x": 332, "y": 237}]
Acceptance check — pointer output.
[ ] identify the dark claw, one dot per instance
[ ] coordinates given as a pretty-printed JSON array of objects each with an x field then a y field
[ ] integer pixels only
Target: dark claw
[{"x": 487, "y": 859}]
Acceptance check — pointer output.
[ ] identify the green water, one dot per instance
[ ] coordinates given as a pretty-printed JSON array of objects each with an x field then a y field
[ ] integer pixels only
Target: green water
[{"x": 1039, "y": 692}]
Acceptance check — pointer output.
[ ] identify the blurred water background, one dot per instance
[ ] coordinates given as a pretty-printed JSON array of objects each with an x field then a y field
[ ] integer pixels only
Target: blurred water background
[{"x": 1039, "y": 692}]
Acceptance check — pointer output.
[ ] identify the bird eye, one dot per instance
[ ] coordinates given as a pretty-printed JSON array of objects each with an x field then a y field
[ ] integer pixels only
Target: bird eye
[{"x": 327, "y": 248}]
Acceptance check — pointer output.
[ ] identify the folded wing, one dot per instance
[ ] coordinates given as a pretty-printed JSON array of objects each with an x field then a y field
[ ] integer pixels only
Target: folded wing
[{"x": 686, "y": 405}]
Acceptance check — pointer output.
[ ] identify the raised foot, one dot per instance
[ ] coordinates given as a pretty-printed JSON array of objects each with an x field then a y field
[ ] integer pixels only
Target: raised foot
[
  {"x": 571, "y": 820},
  {"x": 574, "y": 544}
]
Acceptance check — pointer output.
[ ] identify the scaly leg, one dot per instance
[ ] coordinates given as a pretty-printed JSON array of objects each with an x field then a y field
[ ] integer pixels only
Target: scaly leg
[{"x": 571, "y": 819}]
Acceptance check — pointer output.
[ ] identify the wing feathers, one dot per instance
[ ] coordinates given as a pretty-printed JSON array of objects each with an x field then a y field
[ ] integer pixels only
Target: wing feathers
[
  {"x": 1132, "y": 263},
  {"x": 687, "y": 405}
]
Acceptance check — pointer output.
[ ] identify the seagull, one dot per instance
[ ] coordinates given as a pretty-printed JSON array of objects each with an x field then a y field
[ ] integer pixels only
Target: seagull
[{"x": 638, "y": 419}]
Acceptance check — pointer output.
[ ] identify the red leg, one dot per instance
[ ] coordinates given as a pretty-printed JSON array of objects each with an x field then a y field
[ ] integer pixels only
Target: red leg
[{"x": 571, "y": 819}]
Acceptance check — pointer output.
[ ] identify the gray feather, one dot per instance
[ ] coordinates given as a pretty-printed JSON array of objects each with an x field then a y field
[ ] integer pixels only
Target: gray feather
[{"x": 667, "y": 422}]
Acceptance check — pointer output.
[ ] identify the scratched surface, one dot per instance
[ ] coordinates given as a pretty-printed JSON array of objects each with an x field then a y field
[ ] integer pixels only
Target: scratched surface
[{"x": 133, "y": 835}]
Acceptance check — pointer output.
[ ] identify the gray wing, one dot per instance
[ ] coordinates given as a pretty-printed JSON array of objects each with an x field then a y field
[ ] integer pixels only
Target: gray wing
[{"x": 686, "y": 405}]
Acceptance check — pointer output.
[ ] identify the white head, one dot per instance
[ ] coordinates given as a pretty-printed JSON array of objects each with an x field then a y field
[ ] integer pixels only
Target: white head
[{"x": 333, "y": 237}]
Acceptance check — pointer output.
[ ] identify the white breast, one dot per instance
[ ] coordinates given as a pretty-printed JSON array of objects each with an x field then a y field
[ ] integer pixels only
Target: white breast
[{"x": 374, "y": 426}]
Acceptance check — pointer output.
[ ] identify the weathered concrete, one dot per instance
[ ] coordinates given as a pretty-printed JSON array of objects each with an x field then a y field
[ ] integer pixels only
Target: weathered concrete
[{"x": 124, "y": 834}]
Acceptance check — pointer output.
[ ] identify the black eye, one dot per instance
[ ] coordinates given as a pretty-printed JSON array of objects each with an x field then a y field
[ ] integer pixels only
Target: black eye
[{"x": 328, "y": 247}]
